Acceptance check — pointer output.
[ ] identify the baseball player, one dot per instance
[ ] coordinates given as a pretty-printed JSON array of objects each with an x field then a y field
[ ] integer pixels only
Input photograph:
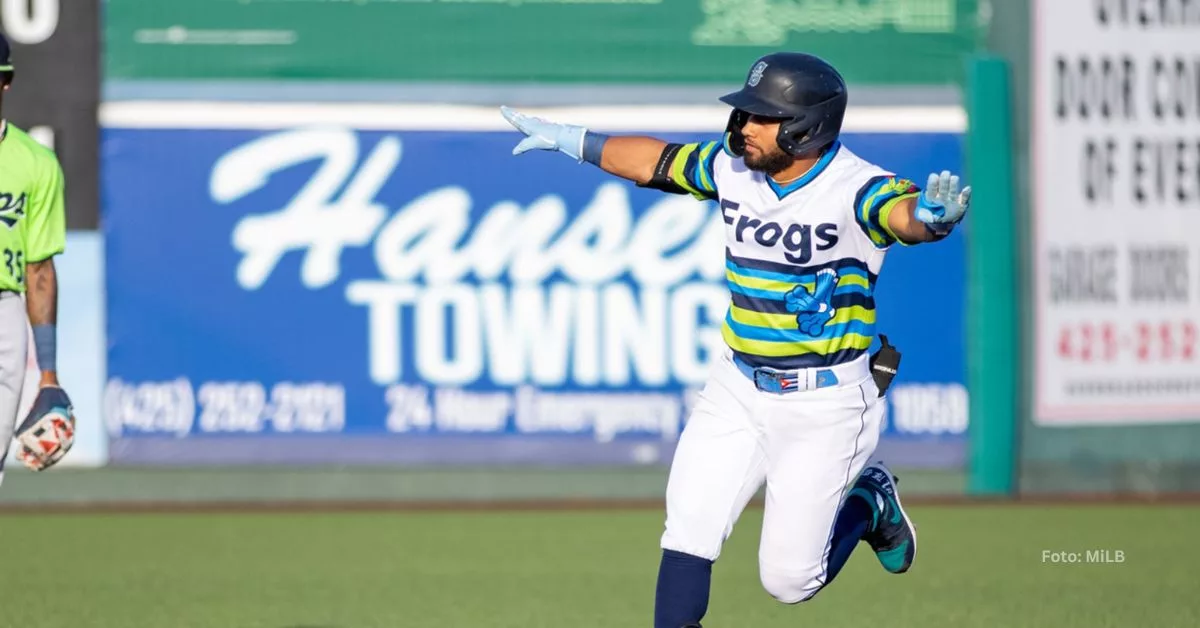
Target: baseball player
[
  {"x": 792, "y": 401},
  {"x": 32, "y": 232}
]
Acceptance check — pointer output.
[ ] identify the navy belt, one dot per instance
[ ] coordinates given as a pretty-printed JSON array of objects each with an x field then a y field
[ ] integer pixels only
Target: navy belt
[{"x": 776, "y": 381}]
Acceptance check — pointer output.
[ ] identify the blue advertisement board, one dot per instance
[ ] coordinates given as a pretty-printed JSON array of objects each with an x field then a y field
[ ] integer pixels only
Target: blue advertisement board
[{"x": 333, "y": 295}]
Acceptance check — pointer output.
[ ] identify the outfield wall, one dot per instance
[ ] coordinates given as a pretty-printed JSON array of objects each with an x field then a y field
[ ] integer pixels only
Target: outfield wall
[
  {"x": 508, "y": 42},
  {"x": 371, "y": 284},
  {"x": 211, "y": 323}
]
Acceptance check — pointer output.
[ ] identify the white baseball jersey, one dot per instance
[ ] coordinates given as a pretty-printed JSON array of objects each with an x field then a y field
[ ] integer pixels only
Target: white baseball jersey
[{"x": 801, "y": 258}]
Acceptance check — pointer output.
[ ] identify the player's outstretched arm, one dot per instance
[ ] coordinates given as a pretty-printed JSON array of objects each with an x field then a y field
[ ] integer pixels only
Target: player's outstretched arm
[
  {"x": 934, "y": 213},
  {"x": 628, "y": 157},
  {"x": 632, "y": 157}
]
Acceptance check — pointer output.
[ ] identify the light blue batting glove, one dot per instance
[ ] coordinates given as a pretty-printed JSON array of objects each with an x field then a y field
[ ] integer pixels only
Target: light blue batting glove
[
  {"x": 941, "y": 205},
  {"x": 546, "y": 135}
]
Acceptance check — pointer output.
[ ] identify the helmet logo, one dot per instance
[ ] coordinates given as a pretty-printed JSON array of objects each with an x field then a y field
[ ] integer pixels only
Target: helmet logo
[{"x": 756, "y": 73}]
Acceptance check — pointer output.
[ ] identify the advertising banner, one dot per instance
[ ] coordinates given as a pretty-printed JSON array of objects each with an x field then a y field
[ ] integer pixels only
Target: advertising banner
[
  {"x": 324, "y": 293},
  {"x": 1116, "y": 193},
  {"x": 523, "y": 41},
  {"x": 56, "y": 88}
]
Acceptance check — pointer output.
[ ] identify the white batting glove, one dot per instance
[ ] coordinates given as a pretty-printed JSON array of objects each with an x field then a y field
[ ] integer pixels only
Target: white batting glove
[{"x": 546, "y": 135}]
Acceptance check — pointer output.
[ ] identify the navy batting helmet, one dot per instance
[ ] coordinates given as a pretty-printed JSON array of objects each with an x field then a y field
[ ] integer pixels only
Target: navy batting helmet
[{"x": 804, "y": 90}]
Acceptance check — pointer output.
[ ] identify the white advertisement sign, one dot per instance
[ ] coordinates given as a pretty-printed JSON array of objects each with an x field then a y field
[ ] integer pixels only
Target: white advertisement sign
[{"x": 1115, "y": 176}]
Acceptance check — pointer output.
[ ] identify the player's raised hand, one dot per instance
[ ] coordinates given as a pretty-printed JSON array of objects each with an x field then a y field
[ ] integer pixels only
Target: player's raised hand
[
  {"x": 942, "y": 205},
  {"x": 545, "y": 135}
]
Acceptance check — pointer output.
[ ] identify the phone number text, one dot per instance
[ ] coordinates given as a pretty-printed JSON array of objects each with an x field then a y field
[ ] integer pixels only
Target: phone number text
[
  {"x": 177, "y": 407},
  {"x": 1143, "y": 342}
]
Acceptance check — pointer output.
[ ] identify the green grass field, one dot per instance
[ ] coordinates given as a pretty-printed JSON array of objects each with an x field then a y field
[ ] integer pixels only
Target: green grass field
[{"x": 977, "y": 566}]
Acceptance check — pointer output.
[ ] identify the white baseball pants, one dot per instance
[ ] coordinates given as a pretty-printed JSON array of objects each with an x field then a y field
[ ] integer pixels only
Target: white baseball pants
[
  {"x": 808, "y": 446},
  {"x": 14, "y": 345}
]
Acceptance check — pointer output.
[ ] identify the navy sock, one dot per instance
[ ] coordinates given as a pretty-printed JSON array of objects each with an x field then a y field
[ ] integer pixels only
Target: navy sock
[
  {"x": 681, "y": 597},
  {"x": 852, "y": 522}
]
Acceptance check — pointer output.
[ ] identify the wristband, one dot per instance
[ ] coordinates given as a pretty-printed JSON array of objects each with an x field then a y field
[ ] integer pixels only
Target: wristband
[
  {"x": 593, "y": 147},
  {"x": 44, "y": 338},
  {"x": 939, "y": 231}
]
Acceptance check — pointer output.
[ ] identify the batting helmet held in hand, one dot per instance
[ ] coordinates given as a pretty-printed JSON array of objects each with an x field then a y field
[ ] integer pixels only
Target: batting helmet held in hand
[{"x": 804, "y": 90}]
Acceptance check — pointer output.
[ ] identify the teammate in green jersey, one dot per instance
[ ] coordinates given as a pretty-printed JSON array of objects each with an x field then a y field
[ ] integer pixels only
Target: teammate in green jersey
[{"x": 32, "y": 232}]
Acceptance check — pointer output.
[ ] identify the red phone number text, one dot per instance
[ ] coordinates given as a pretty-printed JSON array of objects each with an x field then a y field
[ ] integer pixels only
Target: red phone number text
[{"x": 1164, "y": 341}]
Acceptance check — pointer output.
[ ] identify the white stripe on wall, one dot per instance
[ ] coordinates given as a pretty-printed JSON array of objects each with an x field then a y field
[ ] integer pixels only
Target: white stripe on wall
[{"x": 150, "y": 114}]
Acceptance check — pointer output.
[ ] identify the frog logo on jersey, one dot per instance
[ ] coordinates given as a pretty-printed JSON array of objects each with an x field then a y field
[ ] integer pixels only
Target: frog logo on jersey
[
  {"x": 756, "y": 73},
  {"x": 813, "y": 308},
  {"x": 11, "y": 211}
]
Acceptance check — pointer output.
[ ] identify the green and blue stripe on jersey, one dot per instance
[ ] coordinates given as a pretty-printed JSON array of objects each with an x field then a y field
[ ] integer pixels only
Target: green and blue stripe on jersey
[
  {"x": 759, "y": 328},
  {"x": 692, "y": 169},
  {"x": 874, "y": 203}
]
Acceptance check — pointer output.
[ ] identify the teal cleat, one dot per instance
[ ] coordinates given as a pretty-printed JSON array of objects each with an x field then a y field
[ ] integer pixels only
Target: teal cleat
[{"x": 891, "y": 534}]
